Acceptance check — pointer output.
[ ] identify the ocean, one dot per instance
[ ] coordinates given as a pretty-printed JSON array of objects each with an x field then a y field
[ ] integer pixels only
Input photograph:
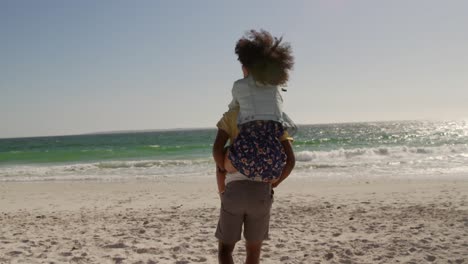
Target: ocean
[{"x": 403, "y": 149}]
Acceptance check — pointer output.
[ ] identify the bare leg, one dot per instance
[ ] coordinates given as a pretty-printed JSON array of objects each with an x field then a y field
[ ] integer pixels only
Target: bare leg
[
  {"x": 227, "y": 163},
  {"x": 253, "y": 252},
  {"x": 225, "y": 253}
]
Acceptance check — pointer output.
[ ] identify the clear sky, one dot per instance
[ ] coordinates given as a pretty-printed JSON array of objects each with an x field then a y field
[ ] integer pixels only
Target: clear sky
[{"x": 70, "y": 67}]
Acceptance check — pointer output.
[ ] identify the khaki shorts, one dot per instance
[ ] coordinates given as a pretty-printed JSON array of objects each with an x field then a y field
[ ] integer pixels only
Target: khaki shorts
[{"x": 245, "y": 203}]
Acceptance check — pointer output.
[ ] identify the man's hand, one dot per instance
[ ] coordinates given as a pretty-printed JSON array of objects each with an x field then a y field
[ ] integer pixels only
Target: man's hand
[
  {"x": 221, "y": 195},
  {"x": 275, "y": 183},
  {"x": 220, "y": 169}
]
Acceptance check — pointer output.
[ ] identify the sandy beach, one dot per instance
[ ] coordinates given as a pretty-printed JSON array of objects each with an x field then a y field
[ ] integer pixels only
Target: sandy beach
[{"x": 172, "y": 220}]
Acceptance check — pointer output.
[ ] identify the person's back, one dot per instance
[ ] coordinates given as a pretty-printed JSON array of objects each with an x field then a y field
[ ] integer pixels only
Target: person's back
[
  {"x": 261, "y": 148},
  {"x": 257, "y": 152}
]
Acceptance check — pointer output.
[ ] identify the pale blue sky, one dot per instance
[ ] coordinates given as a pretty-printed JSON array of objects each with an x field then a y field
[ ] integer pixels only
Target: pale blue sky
[{"x": 69, "y": 67}]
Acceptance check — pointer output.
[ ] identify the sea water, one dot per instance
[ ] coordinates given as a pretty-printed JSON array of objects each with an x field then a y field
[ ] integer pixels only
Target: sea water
[{"x": 403, "y": 149}]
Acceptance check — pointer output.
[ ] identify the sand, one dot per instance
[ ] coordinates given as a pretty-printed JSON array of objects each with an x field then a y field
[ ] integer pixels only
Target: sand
[{"x": 173, "y": 220}]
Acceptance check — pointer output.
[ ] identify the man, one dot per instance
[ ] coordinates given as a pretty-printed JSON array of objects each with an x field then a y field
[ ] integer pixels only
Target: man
[{"x": 243, "y": 201}]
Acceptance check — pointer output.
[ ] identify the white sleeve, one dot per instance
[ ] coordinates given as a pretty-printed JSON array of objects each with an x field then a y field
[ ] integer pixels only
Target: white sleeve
[
  {"x": 234, "y": 104},
  {"x": 290, "y": 126}
]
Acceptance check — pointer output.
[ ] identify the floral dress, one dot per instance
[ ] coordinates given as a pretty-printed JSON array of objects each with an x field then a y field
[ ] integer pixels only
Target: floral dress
[{"x": 257, "y": 151}]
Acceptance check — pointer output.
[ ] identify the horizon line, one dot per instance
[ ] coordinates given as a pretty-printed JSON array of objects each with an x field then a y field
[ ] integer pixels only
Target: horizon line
[{"x": 203, "y": 128}]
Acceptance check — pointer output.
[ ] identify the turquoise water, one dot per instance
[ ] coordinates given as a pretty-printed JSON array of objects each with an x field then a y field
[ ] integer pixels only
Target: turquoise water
[
  {"x": 411, "y": 147},
  {"x": 185, "y": 144}
]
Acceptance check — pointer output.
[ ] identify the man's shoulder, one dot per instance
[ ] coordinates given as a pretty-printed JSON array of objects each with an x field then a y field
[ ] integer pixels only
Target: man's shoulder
[
  {"x": 228, "y": 121},
  {"x": 231, "y": 114}
]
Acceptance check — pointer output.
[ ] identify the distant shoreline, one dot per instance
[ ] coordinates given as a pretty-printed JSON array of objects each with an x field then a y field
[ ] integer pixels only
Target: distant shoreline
[{"x": 209, "y": 128}]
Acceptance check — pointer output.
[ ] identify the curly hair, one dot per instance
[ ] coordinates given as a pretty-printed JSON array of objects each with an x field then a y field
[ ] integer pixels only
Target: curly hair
[{"x": 265, "y": 57}]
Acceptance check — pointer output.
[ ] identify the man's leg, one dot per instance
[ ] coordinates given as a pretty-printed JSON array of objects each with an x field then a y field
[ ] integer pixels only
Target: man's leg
[
  {"x": 257, "y": 219},
  {"x": 253, "y": 252},
  {"x": 230, "y": 222},
  {"x": 225, "y": 253}
]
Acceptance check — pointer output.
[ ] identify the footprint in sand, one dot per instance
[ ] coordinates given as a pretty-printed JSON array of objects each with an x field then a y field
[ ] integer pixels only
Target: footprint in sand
[
  {"x": 14, "y": 253},
  {"x": 118, "y": 260},
  {"x": 198, "y": 259},
  {"x": 116, "y": 245}
]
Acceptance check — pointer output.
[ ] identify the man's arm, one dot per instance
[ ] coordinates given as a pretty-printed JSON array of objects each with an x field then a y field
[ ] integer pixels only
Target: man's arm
[
  {"x": 290, "y": 162},
  {"x": 218, "y": 156}
]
